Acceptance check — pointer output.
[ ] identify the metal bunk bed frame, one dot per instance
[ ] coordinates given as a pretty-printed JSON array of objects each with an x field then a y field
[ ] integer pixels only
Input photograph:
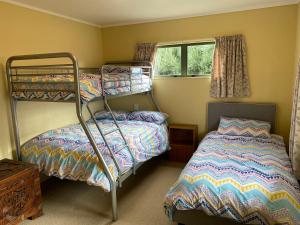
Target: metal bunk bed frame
[{"x": 12, "y": 71}]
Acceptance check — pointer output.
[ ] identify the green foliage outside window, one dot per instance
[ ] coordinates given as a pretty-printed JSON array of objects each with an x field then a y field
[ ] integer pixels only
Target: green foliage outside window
[
  {"x": 185, "y": 59},
  {"x": 168, "y": 61},
  {"x": 200, "y": 59}
]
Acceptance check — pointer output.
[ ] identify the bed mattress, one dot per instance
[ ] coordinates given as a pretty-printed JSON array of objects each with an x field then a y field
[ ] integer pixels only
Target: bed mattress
[
  {"x": 245, "y": 179},
  {"x": 66, "y": 152},
  {"x": 61, "y": 87}
]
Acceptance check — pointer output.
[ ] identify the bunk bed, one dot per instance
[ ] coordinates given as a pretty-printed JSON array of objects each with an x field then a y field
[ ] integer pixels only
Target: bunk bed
[{"x": 105, "y": 152}]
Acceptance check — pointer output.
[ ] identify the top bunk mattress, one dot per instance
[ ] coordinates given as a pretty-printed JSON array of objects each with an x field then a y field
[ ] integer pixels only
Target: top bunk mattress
[
  {"x": 116, "y": 80},
  {"x": 246, "y": 179}
]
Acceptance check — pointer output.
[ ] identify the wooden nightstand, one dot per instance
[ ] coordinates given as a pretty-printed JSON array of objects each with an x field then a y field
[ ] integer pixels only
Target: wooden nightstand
[
  {"x": 20, "y": 192},
  {"x": 183, "y": 141}
]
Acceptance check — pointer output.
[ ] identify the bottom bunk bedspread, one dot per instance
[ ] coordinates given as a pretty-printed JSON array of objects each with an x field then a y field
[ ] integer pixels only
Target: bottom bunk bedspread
[
  {"x": 67, "y": 153},
  {"x": 246, "y": 179}
]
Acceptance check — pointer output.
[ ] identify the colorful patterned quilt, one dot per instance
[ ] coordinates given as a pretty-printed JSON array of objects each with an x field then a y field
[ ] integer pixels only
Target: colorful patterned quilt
[
  {"x": 67, "y": 153},
  {"x": 246, "y": 179},
  {"x": 57, "y": 88}
]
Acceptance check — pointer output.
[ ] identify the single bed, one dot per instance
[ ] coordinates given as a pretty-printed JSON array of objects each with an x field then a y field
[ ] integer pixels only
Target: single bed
[{"x": 236, "y": 179}]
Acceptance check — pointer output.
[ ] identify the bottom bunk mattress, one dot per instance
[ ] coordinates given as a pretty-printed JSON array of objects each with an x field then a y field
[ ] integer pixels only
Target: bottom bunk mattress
[
  {"x": 246, "y": 179},
  {"x": 67, "y": 153}
]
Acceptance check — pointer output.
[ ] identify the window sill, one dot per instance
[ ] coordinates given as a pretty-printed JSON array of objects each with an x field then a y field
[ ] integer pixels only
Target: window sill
[{"x": 181, "y": 77}]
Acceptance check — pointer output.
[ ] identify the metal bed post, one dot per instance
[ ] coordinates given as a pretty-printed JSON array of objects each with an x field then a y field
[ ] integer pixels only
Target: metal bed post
[
  {"x": 13, "y": 107},
  {"x": 114, "y": 203},
  {"x": 151, "y": 91},
  {"x": 113, "y": 183},
  {"x": 154, "y": 101}
]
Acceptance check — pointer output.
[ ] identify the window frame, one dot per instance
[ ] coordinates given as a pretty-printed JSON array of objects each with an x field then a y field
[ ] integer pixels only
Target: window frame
[{"x": 184, "y": 58}]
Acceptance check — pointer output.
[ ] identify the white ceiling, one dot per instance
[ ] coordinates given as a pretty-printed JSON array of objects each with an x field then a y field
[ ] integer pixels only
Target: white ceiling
[{"x": 120, "y": 12}]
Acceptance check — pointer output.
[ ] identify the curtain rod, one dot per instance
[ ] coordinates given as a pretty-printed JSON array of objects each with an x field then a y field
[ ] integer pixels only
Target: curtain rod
[{"x": 186, "y": 41}]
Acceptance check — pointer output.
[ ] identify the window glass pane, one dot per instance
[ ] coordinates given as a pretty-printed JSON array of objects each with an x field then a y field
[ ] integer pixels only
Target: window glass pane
[
  {"x": 168, "y": 61},
  {"x": 200, "y": 59}
]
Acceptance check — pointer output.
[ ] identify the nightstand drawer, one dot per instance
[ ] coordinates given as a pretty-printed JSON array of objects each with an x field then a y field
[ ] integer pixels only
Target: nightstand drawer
[{"x": 181, "y": 153}]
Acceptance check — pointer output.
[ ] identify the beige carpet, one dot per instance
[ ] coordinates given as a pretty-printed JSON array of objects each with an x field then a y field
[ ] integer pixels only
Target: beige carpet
[{"x": 140, "y": 200}]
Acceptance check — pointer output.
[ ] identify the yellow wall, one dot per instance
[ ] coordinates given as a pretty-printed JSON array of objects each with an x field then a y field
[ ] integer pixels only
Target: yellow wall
[
  {"x": 298, "y": 33},
  {"x": 270, "y": 35},
  {"x": 24, "y": 31},
  {"x": 271, "y": 39}
]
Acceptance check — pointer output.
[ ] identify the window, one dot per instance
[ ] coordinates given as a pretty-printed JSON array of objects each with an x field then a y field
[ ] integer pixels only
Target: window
[{"x": 193, "y": 59}]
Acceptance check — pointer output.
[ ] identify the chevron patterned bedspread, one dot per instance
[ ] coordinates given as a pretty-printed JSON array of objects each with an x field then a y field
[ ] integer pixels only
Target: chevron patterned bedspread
[
  {"x": 246, "y": 179},
  {"x": 58, "y": 87},
  {"x": 67, "y": 153}
]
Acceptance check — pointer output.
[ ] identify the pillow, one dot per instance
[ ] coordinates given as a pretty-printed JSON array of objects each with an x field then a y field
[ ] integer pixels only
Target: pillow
[
  {"x": 119, "y": 115},
  {"x": 148, "y": 116},
  {"x": 244, "y": 127}
]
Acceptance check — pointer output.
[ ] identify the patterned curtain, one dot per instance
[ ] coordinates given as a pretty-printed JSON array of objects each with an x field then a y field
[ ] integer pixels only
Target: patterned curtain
[
  {"x": 294, "y": 143},
  {"x": 230, "y": 75},
  {"x": 145, "y": 52}
]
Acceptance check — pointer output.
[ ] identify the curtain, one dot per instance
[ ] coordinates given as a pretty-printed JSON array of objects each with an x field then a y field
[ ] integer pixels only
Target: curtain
[
  {"x": 294, "y": 143},
  {"x": 145, "y": 52},
  {"x": 229, "y": 73}
]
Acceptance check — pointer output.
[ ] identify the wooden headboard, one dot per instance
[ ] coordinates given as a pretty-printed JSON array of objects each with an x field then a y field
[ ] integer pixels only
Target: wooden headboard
[{"x": 256, "y": 111}]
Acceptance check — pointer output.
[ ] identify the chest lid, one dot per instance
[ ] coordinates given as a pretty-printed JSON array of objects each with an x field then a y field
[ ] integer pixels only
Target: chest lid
[{"x": 9, "y": 168}]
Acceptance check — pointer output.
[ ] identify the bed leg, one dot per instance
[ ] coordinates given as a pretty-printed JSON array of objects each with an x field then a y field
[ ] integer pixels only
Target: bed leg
[{"x": 114, "y": 201}]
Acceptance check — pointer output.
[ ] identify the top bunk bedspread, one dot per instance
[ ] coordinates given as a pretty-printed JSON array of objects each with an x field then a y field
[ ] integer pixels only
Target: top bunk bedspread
[
  {"x": 61, "y": 87},
  {"x": 67, "y": 153},
  {"x": 246, "y": 179}
]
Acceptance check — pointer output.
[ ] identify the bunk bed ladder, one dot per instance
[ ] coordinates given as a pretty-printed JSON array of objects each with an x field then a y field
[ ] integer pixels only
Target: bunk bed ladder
[
  {"x": 106, "y": 142},
  {"x": 104, "y": 139},
  {"x": 118, "y": 129},
  {"x": 122, "y": 135},
  {"x": 112, "y": 181}
]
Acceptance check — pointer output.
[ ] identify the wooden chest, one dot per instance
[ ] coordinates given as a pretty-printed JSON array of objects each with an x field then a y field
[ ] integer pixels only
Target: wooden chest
[{"x": 20, "y": 192}]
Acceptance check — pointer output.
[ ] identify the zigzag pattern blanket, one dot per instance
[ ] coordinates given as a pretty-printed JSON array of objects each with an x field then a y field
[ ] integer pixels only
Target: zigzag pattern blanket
[
  {"x": 67, "y": 153},
  {"x": 246, "y": 179},
  {"x": 58, "y": 88}
]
